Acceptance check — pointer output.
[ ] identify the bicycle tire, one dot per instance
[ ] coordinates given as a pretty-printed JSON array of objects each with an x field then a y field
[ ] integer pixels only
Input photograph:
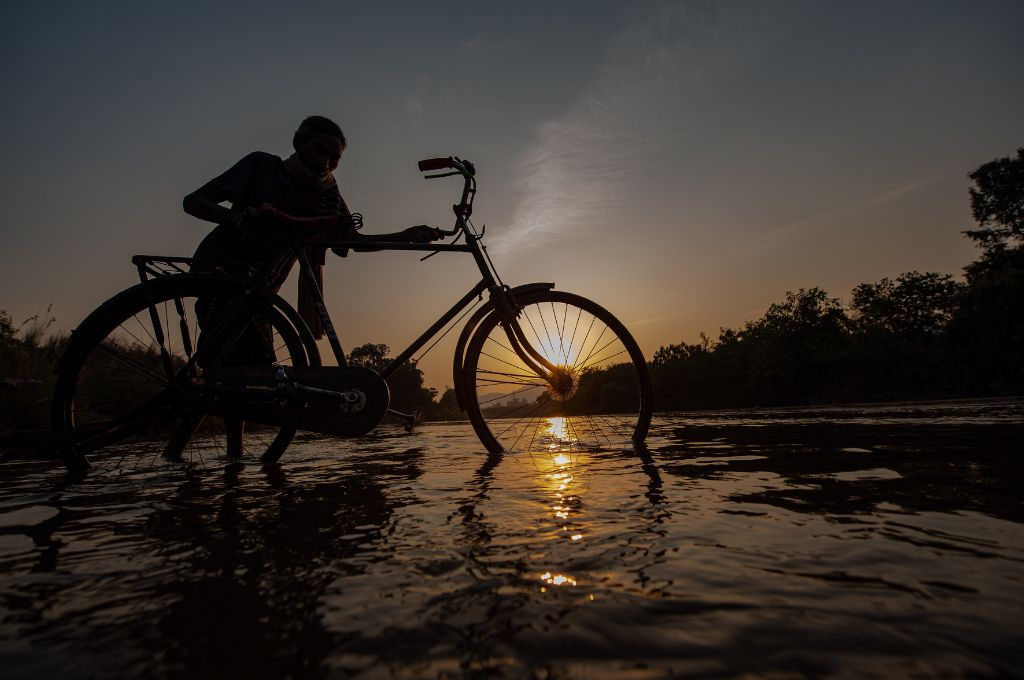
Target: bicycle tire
[
  {"x": 112, "y": 368},
  {"x": 603, "y": 398}
]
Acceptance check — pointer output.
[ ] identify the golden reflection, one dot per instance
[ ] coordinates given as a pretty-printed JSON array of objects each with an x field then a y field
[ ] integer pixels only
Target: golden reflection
[
  {"x": 557, "y": 579},
  {"x": 557, "y": 473},
  {"x": 557, "y": 467},
  {"x": 557, "y": 435},
  {"x": 558, "y": 429}
]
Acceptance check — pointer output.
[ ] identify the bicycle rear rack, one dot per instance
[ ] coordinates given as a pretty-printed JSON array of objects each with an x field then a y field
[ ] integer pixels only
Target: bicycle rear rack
[{"x": 158, "y": 266}]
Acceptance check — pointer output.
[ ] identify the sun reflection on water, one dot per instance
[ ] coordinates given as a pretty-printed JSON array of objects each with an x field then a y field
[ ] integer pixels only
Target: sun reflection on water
[
  {"x": 557, "y": 468},
  {"x": 558, "y": 434},
  {"x": 557, "y": 579}
]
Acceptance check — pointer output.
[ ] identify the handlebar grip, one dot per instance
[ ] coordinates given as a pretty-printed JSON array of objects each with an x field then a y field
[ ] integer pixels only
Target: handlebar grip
[{"x": 430, "y": 164}]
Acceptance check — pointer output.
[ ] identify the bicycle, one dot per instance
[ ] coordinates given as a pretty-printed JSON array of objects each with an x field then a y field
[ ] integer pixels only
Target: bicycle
[{"x": 534, "y": 367}]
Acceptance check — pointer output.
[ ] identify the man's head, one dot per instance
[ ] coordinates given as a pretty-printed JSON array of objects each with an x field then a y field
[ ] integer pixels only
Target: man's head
[
  {"x": 317, "y": 125},
  {"x": 319, "y": 143}
]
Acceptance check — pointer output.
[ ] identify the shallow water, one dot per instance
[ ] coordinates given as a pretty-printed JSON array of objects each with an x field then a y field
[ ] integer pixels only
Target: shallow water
[{"x": 844, "y": 542}]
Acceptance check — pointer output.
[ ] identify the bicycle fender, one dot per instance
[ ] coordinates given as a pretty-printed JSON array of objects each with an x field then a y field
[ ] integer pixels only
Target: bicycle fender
[
  {"x": 458, "y": 371},
  {"x": 275, "y": 300}
]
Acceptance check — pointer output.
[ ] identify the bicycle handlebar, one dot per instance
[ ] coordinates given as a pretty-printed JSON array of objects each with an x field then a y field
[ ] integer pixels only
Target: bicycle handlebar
[
  {"x": 431, "y": 164},
  {"x": 310, "y": 225},
  {"x": 458, "y": 165}
]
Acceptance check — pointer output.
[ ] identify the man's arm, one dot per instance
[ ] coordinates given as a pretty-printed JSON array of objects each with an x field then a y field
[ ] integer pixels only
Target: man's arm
[
  {"x": 421, "y": 233},
  {"x": 205, "y": 203}
]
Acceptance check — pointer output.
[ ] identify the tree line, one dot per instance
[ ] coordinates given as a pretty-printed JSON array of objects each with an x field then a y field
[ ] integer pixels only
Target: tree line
[{"x": 920, "y": 335}]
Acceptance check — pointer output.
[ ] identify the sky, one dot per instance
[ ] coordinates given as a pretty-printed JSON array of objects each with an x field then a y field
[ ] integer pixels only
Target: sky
[{"x": 684, "y": 164}]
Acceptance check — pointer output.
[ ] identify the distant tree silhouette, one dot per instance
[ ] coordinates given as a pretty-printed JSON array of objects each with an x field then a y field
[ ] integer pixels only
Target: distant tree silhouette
[
  {"x": 920, "y": 335},
  {"x": 989, "y": 328},
  {"x": 901, "y": 345},
  {"x": 447, "y": 407},
  {"x": 915, "y": 305},
  {"x": 997, "y": 203},
  {"x": 28, "y": 352},
  {"x": 794, "y": 348},
  {"x": 370, "y": 355},
  {"x": 406, "y": 384}
]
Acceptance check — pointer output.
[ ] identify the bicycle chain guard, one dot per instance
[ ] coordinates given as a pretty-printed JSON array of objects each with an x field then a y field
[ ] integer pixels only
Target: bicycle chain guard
[
  {"x": 341, "y": 400},
  {"x": 361, "y": 407}
]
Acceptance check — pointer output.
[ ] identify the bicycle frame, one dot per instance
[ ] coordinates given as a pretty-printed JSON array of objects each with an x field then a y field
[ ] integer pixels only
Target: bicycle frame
[
  {"x": 191, "y": 383},
  {"x": 487, "y": 283},
  {"x": 501, "y": 298}
]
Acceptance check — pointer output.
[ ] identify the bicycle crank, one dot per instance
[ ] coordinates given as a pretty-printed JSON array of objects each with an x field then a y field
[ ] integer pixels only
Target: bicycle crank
[{"x": 339, "y": 400}]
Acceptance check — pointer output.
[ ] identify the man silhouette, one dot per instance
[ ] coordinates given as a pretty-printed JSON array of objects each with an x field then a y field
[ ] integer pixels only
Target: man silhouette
[{"x": 259, "y": 187}]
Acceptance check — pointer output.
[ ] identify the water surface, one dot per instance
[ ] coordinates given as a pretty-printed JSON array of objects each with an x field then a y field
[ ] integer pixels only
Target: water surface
[{"x": 845, "y": 542}]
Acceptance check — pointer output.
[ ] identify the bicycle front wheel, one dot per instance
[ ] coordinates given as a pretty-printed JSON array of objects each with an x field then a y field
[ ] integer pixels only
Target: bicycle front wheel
[
  {"x": 126, "y": 365},
  {"x": 598, "y": 396}
]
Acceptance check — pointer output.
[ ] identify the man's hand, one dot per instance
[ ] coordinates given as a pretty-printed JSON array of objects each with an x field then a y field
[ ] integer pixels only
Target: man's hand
[
  {"x": 257, "y": 223},
  {"x": 421, "y": 233},
  {"x": 264, "y": 214}
]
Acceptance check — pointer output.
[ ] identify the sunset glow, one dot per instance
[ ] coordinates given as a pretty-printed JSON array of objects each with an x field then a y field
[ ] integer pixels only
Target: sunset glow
[
  {"x": 748, "y": 170},
  {"x": 591, "y": 339}
]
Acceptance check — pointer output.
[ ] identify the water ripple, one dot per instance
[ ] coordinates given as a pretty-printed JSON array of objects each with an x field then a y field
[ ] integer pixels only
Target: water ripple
[{"x": 847, "y": 541}]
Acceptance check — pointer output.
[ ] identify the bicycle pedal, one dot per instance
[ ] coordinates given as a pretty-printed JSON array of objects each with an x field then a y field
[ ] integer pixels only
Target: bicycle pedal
[{"x": 409, "y": 420}]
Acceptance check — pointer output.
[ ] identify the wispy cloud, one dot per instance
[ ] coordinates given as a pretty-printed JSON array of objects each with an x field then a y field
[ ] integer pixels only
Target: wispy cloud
[
  {"x": 414, "y": 100},
  {"x": 414, "y": 108},
  {"x": 584, "y": 166},
  {"x": 657, "y": 319},
  {"x": 797, "y": 227}
]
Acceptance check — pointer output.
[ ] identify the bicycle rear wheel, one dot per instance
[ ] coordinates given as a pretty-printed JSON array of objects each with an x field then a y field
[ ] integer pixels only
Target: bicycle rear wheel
[
  {"x": 598, "y": 397},
  {"x": 126, "y": 369}
]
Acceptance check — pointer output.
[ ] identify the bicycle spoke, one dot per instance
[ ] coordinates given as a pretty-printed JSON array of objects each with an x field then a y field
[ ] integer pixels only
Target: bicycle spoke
[
  {"x": 528, "y": 376},
  {"x": 117, "y": 368},
  {"x": 597, "y": 388},
  {"x": 603, "y": 360},
  {"x": 501, "y": 344},
  {"x": 506, "y": 376},
  {"x": 491, "y": 356},
  {"x": 572, "y": 342},
  {"x": 129, "y": 362},
  {"x": 540, "y": 341},
  {"x": 599, "y": 338},
  {"x": 533, "y": 418},
  {"x": 506, "y": 396}
]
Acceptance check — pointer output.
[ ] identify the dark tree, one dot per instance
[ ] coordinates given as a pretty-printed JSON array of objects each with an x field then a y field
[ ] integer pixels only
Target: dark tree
[
  {"x": 997, "y": 203},
  {"x": 370, "y": 355},
  {"x": 448, "y": 406},
  {"x": 914, "y": 304},
  {"x": 28, "y": 352},
  {"x": 405, "y": 384},
  {"x": 798, "y": 347},
  {"x": 901, "y": 341},
  {"x": 989, "y": 328}
]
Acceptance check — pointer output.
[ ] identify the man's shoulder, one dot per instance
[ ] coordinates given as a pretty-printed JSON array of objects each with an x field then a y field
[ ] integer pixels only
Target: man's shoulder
[
  {"x": 254, "y": 161},
  {"x": 256, "y": 164},
  {"x": 263, "y": 158}
]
